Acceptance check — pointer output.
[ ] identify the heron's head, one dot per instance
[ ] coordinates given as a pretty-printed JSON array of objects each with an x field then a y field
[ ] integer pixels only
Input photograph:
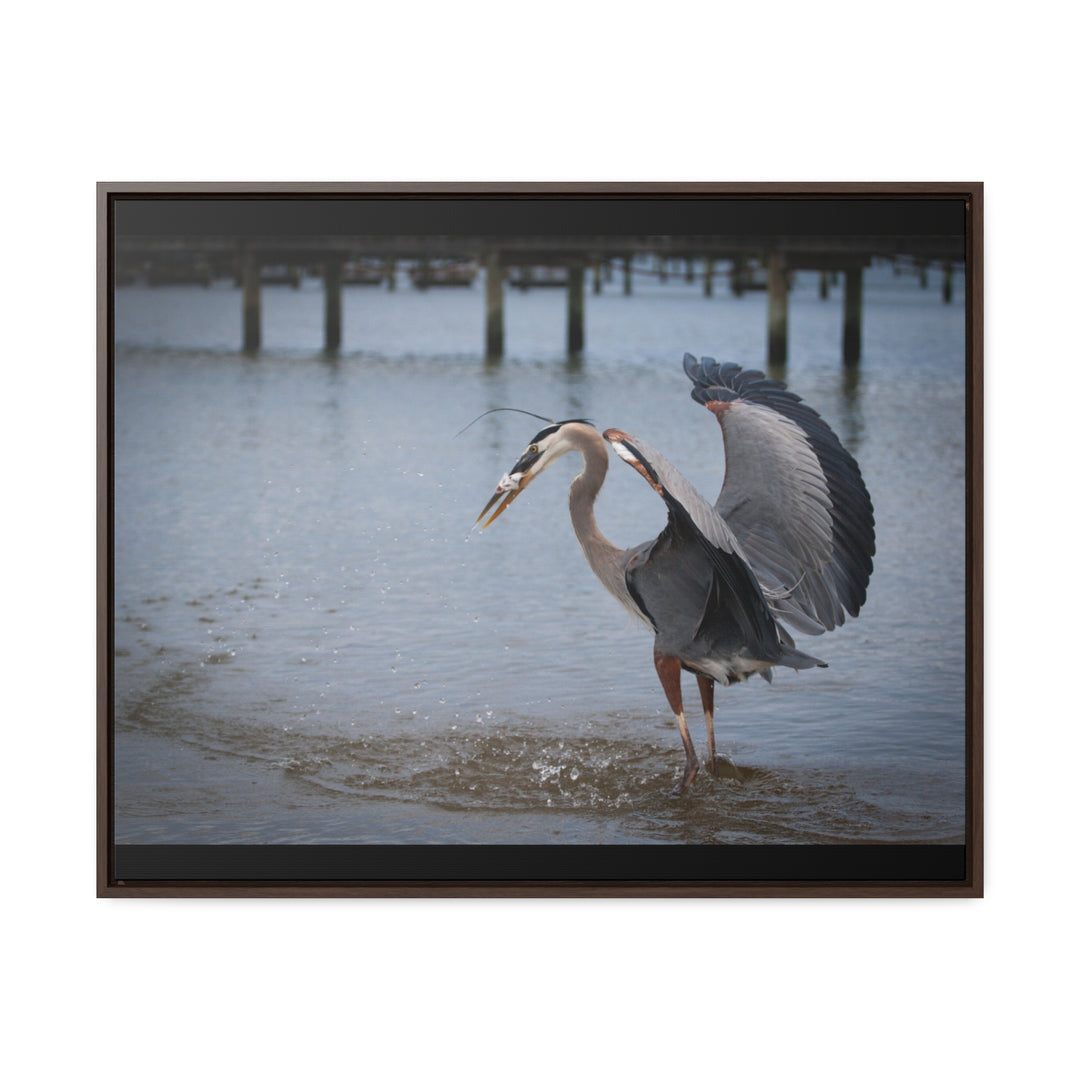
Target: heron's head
[{"x": 547, "y": 445}]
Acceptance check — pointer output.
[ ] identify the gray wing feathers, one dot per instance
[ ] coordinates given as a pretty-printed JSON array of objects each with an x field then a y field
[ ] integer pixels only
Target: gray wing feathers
[
  {"x": 792, "y": 497},
  {"x": 704, "y": 515}
]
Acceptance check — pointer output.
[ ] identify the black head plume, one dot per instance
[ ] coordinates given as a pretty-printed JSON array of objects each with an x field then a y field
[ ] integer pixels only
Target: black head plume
[{"x": 505, "y": 408}]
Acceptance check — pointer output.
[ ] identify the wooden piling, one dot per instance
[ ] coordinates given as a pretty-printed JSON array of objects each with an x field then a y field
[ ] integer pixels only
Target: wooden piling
[
  {"x": 852, "y": 315},
  {"x": 823, "y": 285},
  {"x": 493, "y": 294},
  {"x": 390, "y": 268},
  {"x": 946, "y": 284},
  {"x": 249, "y": 279},
  {"x": 332, "y": 290},
  {"x": 738, "y": 271},
  {"x": 627, "y": 271},
  {"x": 778, "y": 311},
  {"x": 575, "y": 309},
  {"x": 597, "y": 287},
  {"x": 708, "y": 276}
]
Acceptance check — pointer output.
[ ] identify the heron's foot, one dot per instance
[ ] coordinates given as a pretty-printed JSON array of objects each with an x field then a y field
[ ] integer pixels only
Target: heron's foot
[
  {"x": 687, "y": 779},
  {"x": 723, "y": 768}
]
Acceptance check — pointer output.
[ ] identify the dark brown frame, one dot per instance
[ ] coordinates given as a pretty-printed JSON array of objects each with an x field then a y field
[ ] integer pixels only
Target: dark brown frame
[{"x": 972, "y": 884}]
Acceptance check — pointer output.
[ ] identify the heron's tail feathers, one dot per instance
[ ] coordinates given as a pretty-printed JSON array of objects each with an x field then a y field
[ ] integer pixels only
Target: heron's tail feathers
[{"x": 795, "y": 658}]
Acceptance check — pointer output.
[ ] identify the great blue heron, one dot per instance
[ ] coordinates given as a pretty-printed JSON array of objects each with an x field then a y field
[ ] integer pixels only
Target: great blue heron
[{"x": 790, "y": 539}]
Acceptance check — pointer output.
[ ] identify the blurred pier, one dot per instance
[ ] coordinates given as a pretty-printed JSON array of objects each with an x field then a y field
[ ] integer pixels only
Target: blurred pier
[{"x": 739, "y": 263}]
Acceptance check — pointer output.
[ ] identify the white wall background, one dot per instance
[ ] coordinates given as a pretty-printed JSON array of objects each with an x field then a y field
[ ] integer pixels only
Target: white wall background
[{"x": 558, "y": 91}]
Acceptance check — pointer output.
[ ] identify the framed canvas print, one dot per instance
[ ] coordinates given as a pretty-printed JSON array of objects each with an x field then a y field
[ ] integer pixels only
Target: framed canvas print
[{"x": 728, "y": 642}]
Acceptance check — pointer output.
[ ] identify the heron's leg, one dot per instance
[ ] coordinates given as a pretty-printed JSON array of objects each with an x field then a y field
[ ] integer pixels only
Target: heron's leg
[
  {"x": 706, "y": 686},
  {"x": 670, "y": 671},
  {"x": 717, "y": 765}
]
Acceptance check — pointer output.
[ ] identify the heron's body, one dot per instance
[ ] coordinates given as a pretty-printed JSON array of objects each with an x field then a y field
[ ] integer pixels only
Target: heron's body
[{"x": 790, "y": 539}]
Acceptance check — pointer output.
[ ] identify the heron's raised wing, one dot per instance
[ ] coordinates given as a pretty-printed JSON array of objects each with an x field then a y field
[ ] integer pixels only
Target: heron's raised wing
[
  {"x": 793, "y": 497},
  {"x": 705, "y": 575}
]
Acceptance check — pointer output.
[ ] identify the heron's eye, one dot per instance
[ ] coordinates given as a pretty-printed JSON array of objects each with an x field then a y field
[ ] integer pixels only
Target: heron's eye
[{"x": 534, "y": 449}]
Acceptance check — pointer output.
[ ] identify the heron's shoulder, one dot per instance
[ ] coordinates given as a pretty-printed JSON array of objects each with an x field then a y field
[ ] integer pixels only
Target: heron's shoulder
[{"x": 636, "y": 454}]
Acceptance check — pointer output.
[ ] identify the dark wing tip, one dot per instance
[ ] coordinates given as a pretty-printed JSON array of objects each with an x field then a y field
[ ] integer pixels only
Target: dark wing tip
[{"x": 728, "y": 381}]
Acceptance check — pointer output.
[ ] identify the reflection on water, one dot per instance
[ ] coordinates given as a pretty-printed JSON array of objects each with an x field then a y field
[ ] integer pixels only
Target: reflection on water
[{"x": 311, "y": 645}]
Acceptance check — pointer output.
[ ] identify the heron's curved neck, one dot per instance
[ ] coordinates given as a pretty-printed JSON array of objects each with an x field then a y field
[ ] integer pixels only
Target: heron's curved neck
[{"x": 583, "y": 491}]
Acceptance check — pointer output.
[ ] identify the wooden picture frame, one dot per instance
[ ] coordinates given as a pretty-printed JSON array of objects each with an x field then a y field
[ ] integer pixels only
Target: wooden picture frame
[{"x": 827, "y": 227}]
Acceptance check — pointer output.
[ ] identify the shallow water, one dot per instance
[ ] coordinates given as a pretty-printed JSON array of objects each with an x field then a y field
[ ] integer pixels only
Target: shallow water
[{"x": 312, "y": 646}]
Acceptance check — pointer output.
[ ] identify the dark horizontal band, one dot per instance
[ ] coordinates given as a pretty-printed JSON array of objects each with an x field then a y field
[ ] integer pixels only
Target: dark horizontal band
[
  {"x": 507, "y": 863},
  {"x": 238, "y": 216}
]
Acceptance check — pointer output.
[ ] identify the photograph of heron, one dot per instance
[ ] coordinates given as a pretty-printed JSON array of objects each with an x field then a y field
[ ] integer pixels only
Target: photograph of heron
[{"x": 732, "y": 611}]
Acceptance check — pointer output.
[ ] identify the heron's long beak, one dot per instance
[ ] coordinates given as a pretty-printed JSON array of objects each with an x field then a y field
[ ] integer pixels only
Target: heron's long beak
[{"x": 511, "y": 485}]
